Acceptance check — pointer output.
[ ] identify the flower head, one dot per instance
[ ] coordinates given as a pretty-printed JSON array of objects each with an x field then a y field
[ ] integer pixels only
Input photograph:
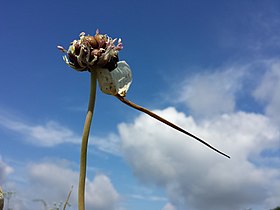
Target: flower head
[{"x": 92, "y": 52}]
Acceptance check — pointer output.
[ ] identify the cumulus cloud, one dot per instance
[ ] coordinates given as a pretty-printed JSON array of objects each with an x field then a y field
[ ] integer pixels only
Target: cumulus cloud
[
  {"x": 147, "y": 197},
  {"x": 217, "y": 91},
  {"x": 196, "y": 177},
  {"x": 47, "y": 183},
  {"x": 102, "y": 194},
  {"x": 212, "y": 92},
  {"x": 110, "y": 144},
  {"x": 168, "y": 206},
  {"x": 268, "y": 90}
]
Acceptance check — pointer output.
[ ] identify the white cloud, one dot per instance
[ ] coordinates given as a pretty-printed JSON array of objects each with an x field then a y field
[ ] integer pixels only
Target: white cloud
[
  {"x": 45, "y": 135},
  {"x": 211, "y": 93},
  {"x": 147, "y": 197},
  {"x": 194, "y": 176},
  {"x": 101, "y": 194},
  {"x": 216, "y": 91},
  {"x": 110, "y": 144},
  {"x": 51, "y": 182},
  {"x": 5, "y": 170},
  {"x": 268, "y": 90},
  {"x": 168, "y": 206},
  {"x": 53, "y": 133}
]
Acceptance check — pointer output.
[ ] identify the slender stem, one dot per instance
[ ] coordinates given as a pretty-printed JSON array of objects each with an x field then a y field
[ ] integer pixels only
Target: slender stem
[
  {"x": 83, "y": 158},
  {"x": 148, "y": 112},
  {"x": 67, "y": 199}
]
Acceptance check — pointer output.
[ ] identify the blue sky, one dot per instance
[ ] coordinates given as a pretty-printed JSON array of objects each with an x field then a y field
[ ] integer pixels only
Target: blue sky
[{"x": 212, "y": 67}]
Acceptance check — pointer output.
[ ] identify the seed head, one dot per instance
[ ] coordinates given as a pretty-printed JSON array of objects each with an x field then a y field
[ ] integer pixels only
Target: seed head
[{"x": 92, "y": 52}]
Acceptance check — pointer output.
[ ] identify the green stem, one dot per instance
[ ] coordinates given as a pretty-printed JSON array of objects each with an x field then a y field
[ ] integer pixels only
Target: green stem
[{"x": 83, "y": 160}]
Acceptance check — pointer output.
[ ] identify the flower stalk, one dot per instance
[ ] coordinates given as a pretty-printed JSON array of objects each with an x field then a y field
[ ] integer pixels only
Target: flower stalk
[
  {"x": 83, "y": 157},
  {"x": 95, "y": 54}
]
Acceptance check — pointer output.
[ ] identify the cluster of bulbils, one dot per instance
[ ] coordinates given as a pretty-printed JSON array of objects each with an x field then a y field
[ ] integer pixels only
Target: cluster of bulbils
[
  {"x": 92, "y": 52},
  {"x": 98, "y": 54}
]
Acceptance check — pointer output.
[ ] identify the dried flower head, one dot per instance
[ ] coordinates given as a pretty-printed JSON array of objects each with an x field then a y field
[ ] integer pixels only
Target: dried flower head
[{"x": 92, "y": 52}]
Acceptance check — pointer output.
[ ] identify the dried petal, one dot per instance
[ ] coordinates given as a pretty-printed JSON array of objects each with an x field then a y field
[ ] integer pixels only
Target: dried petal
[{"x": 116, "y": 81}]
